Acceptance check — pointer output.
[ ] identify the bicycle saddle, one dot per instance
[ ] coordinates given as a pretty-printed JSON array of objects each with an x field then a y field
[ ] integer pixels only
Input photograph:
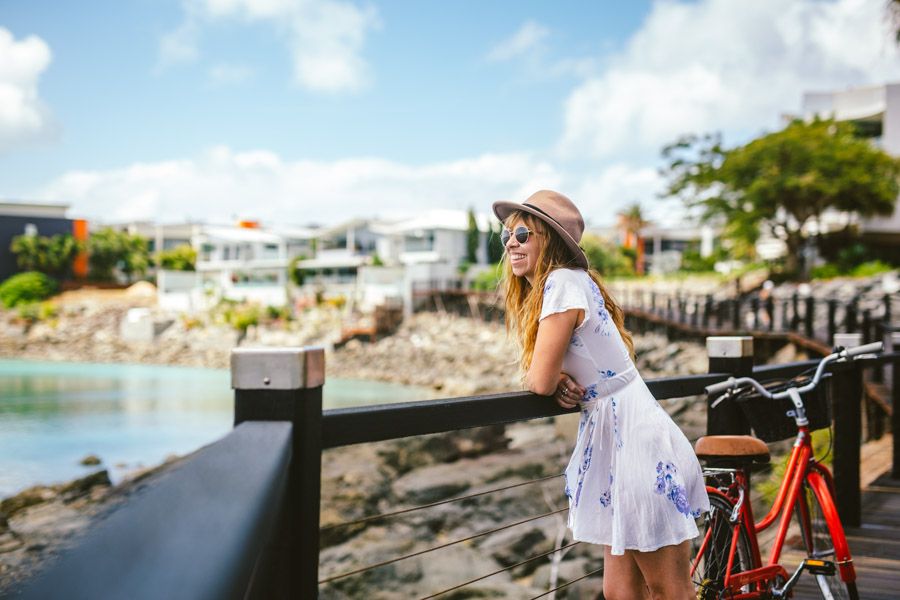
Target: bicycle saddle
[{"x": 734, "y": 448}]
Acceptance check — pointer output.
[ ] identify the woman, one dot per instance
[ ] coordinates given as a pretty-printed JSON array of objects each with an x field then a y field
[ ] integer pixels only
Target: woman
[{"x": 634, "y": 484}]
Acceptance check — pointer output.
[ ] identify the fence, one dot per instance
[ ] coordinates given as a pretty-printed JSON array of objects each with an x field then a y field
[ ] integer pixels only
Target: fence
[{"x": 240, "y": 519}]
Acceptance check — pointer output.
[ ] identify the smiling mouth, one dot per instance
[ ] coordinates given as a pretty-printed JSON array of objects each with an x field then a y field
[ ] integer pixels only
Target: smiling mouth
[{"x": 516, "y": 257}]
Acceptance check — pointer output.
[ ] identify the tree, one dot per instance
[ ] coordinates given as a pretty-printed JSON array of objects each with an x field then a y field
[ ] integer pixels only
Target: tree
[
  {"x": 495, "y": 246},
  {"x": 109, "y": 249},
  {"x": 632, "y": 221},
  {"x": 782, "y": 181},
  {"x": 180, "y": 258},
  {"x": 606, "y": 257},
  {"x": 50, "y": 255},
  {"x": 472, "y": 235}
]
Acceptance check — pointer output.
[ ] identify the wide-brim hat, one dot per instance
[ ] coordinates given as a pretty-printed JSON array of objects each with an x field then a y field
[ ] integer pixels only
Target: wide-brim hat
[{"x": 555, "y": 210}]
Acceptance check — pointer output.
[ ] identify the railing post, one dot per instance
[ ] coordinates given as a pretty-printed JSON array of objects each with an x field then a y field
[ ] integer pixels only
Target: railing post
[
  {"x": 285, "y": 384},
  {"x": 832, "y": 310},
  {"x": 847, "y": 391},
  {"x": 808, "y": 316},
  {"x": 733, "y": 355}
]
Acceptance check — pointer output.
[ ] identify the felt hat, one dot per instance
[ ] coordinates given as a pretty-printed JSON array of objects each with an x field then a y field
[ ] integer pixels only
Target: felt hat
[{"x": 555, "y": 210}]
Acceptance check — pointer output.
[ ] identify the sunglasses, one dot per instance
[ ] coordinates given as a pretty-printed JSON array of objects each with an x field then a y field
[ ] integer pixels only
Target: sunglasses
[{"x": 521, "y": 232}]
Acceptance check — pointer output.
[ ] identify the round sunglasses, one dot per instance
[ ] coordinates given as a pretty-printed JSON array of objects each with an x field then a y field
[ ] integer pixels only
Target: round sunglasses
[{"x": 521, "y": 232}]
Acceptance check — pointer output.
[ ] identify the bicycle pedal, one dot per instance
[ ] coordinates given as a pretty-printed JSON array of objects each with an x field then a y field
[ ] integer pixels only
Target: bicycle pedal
[{"x": 819, "y": 567}]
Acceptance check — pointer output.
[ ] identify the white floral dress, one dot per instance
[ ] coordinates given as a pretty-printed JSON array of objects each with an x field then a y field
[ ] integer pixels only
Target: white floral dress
[{"x": 633, "y": 482}]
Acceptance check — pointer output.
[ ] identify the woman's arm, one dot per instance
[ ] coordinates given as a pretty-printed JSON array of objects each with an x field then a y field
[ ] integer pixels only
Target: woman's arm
[{"x": 553, "y": 336}]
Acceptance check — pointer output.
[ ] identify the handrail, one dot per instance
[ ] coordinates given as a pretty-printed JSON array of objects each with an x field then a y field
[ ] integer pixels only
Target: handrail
[{"x": 197, "y": 532}]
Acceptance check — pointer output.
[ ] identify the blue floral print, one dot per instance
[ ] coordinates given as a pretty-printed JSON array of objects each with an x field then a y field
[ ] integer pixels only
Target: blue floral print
[
  {"x": 666, "y": 485},
  {"x": 548, "y": 286},
  {"x": 591, "y": 393},
  {"x": 576, "y": 341},
  {"x": 607, "y": 374},
  {"x": 585, "y": 459},
  {"x": 616, "y": 434},
  {"x": 602, "y": 313},
  {"x": 606, "y": 497}
]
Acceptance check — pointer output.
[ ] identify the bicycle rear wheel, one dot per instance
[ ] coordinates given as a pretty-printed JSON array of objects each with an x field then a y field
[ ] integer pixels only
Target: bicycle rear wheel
[
  {"x": 819, "y": 543},
  {"x": 709, "y": 576}
]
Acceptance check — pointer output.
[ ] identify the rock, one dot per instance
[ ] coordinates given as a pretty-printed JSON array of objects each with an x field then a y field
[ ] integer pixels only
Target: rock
[
  {"x": 28, "y": 497},
  {"x": 90, "y": 460},
  {"x": 76, "y": 488}
]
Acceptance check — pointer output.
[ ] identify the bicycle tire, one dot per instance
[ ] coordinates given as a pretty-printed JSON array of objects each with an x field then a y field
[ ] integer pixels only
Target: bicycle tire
[
  {"x": 818, "y": 542},
  {"x": 709, "y": 577}
]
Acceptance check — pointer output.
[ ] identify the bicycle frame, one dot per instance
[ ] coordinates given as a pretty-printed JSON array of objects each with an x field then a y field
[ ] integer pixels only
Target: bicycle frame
[{"x": 801, "y": 467}]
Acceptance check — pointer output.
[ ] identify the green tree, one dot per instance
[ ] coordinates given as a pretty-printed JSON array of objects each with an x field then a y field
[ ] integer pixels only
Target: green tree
[
  {"x": 472, "y": 235},
  {"x": 606, "y": 257},
  {"x": 180, "y": 258},
  {"x": 50, "y": 255},
  {"x": 782, "y": 181},
  {"x": 495, "y": 246},
  {"x": 109, "y": 250},
  {"x": 27, "y": 287}
]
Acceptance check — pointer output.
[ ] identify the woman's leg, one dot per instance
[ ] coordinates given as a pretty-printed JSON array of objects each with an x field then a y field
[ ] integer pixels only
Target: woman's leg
[
  {"x": 622, "y": 579},
  {"x": 667, "y": 571}
]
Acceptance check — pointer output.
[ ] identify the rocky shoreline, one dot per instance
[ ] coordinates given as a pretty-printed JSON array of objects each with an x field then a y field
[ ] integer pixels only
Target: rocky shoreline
[{"x": 452, "y": 355}]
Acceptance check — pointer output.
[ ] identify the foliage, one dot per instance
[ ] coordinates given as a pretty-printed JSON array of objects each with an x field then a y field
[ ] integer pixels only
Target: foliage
[
  {"x": 472, "y": 238},
  {"x": 278, "y": 313},
  {"x": 376, "y": 261},
  {"x": 295, "y": 273},
  {"x": 31, "y": 286},
  {"x": 489, "y": 280},
  {"x": 606, "y": 257},
  {"x": 110, "y": 249},
  {"x": 32, "y": 312},
  {"x": 180, "y": 258},
  {"x": 783, "y": 181},
  {"x": 51, "y": 255},
  {"x": 495, "y": 246}
]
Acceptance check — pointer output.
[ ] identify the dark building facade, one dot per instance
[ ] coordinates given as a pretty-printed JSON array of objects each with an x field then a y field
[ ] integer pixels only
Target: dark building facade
[{"x": 20, "y": 218}]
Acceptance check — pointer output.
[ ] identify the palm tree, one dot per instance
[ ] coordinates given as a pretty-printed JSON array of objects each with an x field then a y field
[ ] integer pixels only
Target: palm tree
[{"x": 632, "y": 223}]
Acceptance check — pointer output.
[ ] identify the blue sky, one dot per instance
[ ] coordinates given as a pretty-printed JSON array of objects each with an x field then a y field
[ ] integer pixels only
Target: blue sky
[{"x": 319, "y": 110}]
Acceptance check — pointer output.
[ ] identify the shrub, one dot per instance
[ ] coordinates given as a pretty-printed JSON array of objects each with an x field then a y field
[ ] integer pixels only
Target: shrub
[
  {"x": 23, "y": 288},
  {"x": 181, "y": 258},
  {"x": 487, "y": 281},
  {"x": 873, "y": 267}
]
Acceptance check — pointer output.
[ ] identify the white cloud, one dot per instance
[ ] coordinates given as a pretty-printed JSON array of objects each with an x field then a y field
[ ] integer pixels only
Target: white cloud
[
  {"x": 260, "y": 184},
  {"x": 23, "y": 116},
  {"x": 724, "y": 65},
  {"x": 325, "y": 37},
  {"x": 528, "y": 37}
]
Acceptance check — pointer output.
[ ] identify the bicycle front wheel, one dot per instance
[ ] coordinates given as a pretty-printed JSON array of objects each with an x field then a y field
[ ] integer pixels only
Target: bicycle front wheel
[
  {"x": 818, "y": 540},
  {"x": 712, "y": 561}
]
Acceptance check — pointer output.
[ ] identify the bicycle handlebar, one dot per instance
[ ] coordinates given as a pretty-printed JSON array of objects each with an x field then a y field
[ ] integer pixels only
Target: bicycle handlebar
[{"x": 731, "y": 383}]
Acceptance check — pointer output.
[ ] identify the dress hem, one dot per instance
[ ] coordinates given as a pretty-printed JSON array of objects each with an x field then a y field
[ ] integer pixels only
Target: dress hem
[{"x": 635, "y": 548}]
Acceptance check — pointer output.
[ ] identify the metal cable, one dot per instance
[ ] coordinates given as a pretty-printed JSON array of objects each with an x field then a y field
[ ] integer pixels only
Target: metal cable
[
  {"x": 527, "y": 560},
  {"x": 414, "y": 508},
  {"x": 568, "y": 583},
  {"x": 427, "y": 550}
]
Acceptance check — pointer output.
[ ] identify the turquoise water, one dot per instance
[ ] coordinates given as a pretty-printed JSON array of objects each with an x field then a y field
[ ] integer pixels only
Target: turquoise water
[{"x": 52, "y": 414}]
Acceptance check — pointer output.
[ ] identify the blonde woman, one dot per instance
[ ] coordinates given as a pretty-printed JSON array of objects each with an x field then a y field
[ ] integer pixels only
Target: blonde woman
[{"x": 633, "y": 483}]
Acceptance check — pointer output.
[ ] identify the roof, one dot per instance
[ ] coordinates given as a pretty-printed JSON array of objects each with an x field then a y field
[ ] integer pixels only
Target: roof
[
  {"x": 456, "y": 220},
  {"x": 33, "y": 209},
  {"x": 240, "y": 234}
]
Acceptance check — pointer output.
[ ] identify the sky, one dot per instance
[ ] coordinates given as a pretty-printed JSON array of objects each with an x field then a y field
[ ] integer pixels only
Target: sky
[{"x": 318, "y": 111}]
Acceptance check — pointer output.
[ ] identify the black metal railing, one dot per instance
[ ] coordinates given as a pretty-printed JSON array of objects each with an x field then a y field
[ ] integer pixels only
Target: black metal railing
[{"x": 213, "y": 527}]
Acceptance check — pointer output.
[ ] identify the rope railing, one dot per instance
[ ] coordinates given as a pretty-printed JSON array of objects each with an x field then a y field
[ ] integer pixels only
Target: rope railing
[
  {"x": 568, "y": 583},
  {"x": 439, "y": 547},
  {"x": 433, "y": 504},
  {"x": 509, "y": 568}
]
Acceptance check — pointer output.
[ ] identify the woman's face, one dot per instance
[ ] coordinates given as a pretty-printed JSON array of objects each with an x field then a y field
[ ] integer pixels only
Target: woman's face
[{"x": 523, "y": 258}]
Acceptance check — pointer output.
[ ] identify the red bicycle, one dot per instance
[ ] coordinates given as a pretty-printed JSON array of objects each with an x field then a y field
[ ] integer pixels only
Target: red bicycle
[{"x": 728, "y": 563}]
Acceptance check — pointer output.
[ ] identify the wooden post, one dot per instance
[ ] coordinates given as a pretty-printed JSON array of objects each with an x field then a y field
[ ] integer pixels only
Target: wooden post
[
  {"x": 285, "y": 384},
  {"x": 707, "y": 308},
  {"x": 847, "y": 392},
  {"x": 795, "y": 307},
  {"x": 832, "y": 310},
  {"x": 785, "y": 320},
  {"x": 850, "y": 320},
  {"x": 809, "y": 316},
  {"x": 733, "y": 355},
  {"x": 736, "y": 315},
  {"x": 770, "y": 310},
  {"x": 754, "y": 306}
]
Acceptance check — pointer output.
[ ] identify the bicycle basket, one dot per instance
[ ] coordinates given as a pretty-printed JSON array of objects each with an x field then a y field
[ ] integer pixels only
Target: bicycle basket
[{"x": 769, "y": 418}]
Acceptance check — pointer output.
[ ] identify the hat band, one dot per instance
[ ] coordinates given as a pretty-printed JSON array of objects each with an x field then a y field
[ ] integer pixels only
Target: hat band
[{"x": 533, "y": 207}]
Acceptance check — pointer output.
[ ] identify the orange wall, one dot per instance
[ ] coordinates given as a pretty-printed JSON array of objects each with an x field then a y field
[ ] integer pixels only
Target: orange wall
[{"x": 80, "y": 233}]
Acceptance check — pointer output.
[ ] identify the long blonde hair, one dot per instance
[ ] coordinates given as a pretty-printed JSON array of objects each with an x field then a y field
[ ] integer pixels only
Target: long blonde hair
[{"x": 524, "y": 300}]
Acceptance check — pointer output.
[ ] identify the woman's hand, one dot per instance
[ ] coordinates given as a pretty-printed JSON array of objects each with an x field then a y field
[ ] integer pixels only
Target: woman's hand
[{"x": 568, "y": 393}]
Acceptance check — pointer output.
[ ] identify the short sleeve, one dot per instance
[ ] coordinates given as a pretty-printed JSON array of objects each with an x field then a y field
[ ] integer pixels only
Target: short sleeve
[{"x": 565, "y": 290}]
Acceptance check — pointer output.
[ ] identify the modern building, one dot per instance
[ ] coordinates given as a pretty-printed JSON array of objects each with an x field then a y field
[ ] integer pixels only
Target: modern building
[
  {"x": 32, "y": 218},
  {"x": 876, "y": 112}
]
